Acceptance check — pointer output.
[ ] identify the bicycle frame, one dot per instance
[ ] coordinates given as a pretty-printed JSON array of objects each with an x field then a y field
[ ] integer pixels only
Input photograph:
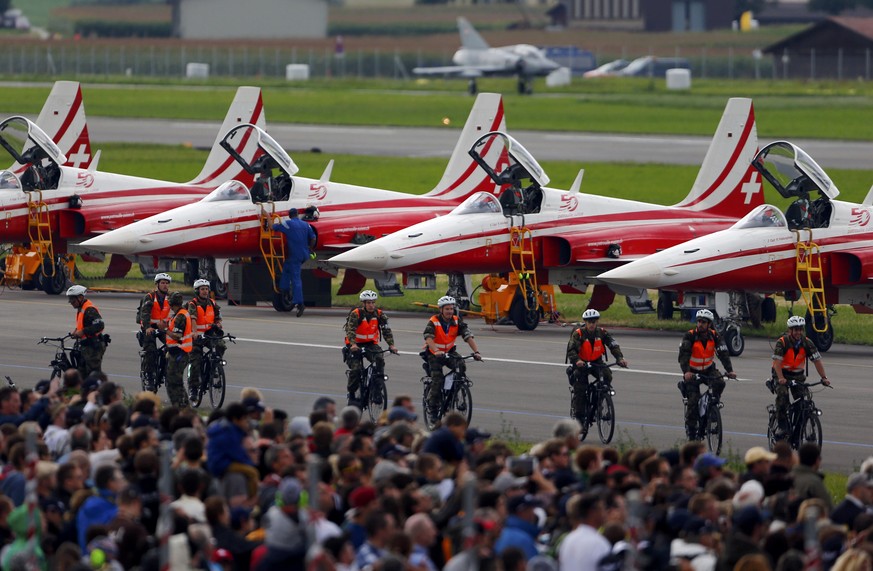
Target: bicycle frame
[
  {"x": 65, "y": 357},
  {"x": 455, "y": 394},
  {"x": 212, "y": 376},
  {"x": 371, "y": 385},
  {"x": 709, "y": 423},
  {"x": 600, "y": 408},
  {"x": 804, "y": 424}
]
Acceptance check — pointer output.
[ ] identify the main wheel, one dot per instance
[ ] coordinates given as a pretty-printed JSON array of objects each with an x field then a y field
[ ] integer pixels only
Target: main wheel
[
  {"x": 665, "y": 305},
  {"x": 217, "y": 385},
  {"x": 462, "y": 401},
  {"x": 523, "y": 318},
  {"x": 605, "y": 417},
  {"x": 282, "y": 301},
  {"x": 378, "y": 396},
  {"x": 429, "y": 422},
  {"x": 822, "y": 340},
  {"x": 768, "y": 310},
  {"x": 713, "y": 430},
  {"x": 734, "y": 340},
  {"x": 810, "y": 430},
  {"x": 52, "y": 284}
]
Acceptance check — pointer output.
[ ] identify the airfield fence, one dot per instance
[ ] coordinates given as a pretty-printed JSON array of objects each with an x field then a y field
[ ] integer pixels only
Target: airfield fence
[{"x": 70, "y": 58}]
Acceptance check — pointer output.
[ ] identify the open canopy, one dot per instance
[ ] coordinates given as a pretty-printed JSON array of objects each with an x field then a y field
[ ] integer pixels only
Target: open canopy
[{"x": 792, "y": 172}]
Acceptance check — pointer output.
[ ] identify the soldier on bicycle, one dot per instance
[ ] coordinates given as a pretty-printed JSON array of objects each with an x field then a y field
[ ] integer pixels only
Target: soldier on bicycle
[
  {"x": 588, "y": 345},
  {"x": 363, "y": 328},
  {"x": 697, "y": 354},
  {"x": 89, "y": 331},
  {"x": 440, "y": 334},
  {"x": 206, "y": 320},
  {"x": 789, "y": 362},
  {"x": 180, "y": 342},
  {"x": 153, "y": 317}
]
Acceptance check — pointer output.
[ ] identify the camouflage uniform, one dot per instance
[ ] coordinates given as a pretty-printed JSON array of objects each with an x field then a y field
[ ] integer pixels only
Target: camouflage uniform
[
  {"x": 436, "y": 363},
  {"x": 578, "y": 376},
  {"x": 782, "y": 345},
  {"x": 196, "y": 356},
  {"x": 91, "y": 348},
  {"x": 371, "y": 350},
  {"x": 149, "y": 339},
  {"x": 177, "y": 360},
  {"x": 692, "y": 388}
]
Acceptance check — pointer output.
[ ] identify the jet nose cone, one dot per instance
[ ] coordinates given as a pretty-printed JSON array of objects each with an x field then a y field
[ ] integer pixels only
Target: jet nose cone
[
  {"x": 366, "y": 257},
  {"x": 640, "y": 274},
  {"x": 115, "y": 242}
]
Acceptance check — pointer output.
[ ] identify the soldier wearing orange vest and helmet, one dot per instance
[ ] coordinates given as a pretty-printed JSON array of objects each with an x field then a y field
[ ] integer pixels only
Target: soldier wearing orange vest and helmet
[
  {"x": 154, "y": 315},
  {"x": 206, "y": 320},
  {"x": 89, "y": 331},
  {"x": 440, "y": 334},
  {"x": 180, "y": 342},
  {"x": 697, "y": 352},
  {"x": 789, "y": 364},
  {"x": 588, "y": 344},
  {"x": 364, "y": 327}
]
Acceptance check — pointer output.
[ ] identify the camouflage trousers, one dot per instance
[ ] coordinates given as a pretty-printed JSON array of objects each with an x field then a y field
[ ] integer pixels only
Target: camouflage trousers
[
  {"x": 177, "y": 361},
  {"x": 692, "y": 393},
  {"x": 91, "y": 357},
  {"x": 355, "y": 363},
  {"x": 578, "y": 377},
  {"x": 782, "y": 397},
  {"x": 196, "y": 359},
  {"x": 438, "y": 378}
]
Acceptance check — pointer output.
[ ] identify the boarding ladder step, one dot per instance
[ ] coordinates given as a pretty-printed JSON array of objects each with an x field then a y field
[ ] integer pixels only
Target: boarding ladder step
[
  {"x": 39, "y": 229},
  {"x": 522, "y": 260},
  {"x": 271, "y": 243},
  {"x": 810, "y": 280}
]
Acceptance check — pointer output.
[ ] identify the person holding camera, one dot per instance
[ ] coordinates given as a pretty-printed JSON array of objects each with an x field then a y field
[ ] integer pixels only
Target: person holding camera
[
  {"x": 206, "y": 320},
  {"x": 588, "y": 345},
  {"x": 180, "y": 341},
  {"x": 89, "y": 330},
  {"x": 153, "y": 317}
]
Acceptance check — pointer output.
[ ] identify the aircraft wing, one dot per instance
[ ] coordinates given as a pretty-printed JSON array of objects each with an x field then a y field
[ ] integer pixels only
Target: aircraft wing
[{"x": 460, "y": 70}]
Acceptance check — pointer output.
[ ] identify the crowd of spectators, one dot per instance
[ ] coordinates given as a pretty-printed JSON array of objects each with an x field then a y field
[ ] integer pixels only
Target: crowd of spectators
[{"x": 94, "y": 479}]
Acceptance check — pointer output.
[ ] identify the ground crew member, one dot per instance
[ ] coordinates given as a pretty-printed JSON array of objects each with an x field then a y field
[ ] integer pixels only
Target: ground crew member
[
  {"x": 588, "y": 344},
  {"x": 697, "y": 357},
  {"x": 154, "y": 315},
  {"x": 206, "y": 320},
  {"x": 440, "y": 334},
  {"x": 789, "y": 363},
  {"x": 89, "y": 331},
  {"x": 180, "y": 341},
  {"x": 363, "y": 328},
  {"x": 300, "y": 239}
]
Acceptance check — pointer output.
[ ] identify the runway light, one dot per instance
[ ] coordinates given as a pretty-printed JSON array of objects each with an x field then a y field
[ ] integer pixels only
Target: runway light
[{"x": 447, "y": 121}]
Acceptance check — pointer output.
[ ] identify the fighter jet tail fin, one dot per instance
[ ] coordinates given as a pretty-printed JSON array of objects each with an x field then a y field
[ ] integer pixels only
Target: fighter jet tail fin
[
  {"x": 247, "y": 107},
  {"x": 726, "y": 183},
  {"x": 470, "y": 38},
  {"x": 463, "y": 176}
]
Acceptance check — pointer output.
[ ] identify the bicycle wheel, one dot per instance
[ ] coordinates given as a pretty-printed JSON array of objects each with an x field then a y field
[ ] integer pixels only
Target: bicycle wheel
[
  {"x": 204, "y": 375},
  {"x": 147, "y": 378},
  {"x": 605, "y": 417},
  {"x": 429, "y": 422},
  {"x": 810, "y": 430},
  {"x": 462, "y": 400},
  {"x": 377, "y": 396},
  {"x": 713, "y": 430},
  {"x": 216, "y": 385},
  {"x": 772, "y": 425}
]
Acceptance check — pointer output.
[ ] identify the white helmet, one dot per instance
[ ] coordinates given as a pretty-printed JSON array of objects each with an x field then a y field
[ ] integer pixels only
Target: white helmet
[
  {"x": 705, "y": 314},
  {"x": 76, "y": 291},
  {"x": 446, "y": 300},
  {"x": 796, "y": 321},
  {"x": 163, "y": 276},
  {"x": 368, "y": 295},
  {"x": 590, "y": 314},
  {"x": 200, "y": 283}
]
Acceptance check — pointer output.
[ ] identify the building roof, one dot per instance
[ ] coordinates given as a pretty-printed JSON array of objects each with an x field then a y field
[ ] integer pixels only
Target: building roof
[{"x": 829, "y": 34}]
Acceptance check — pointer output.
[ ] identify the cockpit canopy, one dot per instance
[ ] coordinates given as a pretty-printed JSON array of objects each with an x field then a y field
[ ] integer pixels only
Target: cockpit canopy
[
  {"x": 8, "y": 181},
  {"x": 27, "y": 143},
  {"x": 479, "y": 203},
  {"x": 765, "y": 216},
  {"x": 515, "y": 163},
  {"x": 228, "y": 191},
  {"x": 271, "y": 154},
  {"x": 792, "y": 172}
]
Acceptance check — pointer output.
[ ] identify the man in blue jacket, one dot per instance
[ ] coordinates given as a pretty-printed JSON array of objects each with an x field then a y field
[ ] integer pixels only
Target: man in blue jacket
[
  {"x": 101, "y": 508},
  {"x": 300, "y": 239},
  {"x": 225, "y": 451},
  {"x": 520, "y": 529}
]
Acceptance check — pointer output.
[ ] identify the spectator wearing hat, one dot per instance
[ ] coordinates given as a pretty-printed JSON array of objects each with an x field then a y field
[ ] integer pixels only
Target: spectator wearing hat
[
  {"x": 859, "y": 496},
  {"x": 758, "y": 461},
  {"x": 696, "y": 544},
  {"x": 750, "y": 494},
  {"x": 520, "y": 528},
  {"x": 255, "y": 408},
  {"x": 808, "y": 481},
  {"x": 708, "y": 467},
  {"x": 401, "y": 414},
  {"x": 475, "y": 440},
  {"x": 362, "y": 501},
  {"x": 744, "y": 538},
  {"x": 286, "y": 534},
  {"x": 584, "y": 547}
]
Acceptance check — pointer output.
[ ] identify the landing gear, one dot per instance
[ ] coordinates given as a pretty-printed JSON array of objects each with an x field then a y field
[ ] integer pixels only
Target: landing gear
[
  {"x": 824, "y": 339},
  {"x": 665, "y": 305},
  {"x": 472, "y": 88},
  {"x": 459, "y": 286},
  {"x": 525, "y": 86},
  {"x": 733, "y": 338},
  {"x": 525, "y": 318},
  {"x": 57, "y": 283},
  {"x": 282, "y": 301}
]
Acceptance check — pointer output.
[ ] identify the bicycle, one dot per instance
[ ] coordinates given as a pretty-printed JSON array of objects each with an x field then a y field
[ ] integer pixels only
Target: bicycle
[
  {"x": 374, "y": 392},
  {"x": 65, "y": 357},
  {"x": 212, "y": 377},
  {"x": 709, "y": 425},
  {"x": 803, "y": 417},
  {"x": 601, "y": 409},
  {"x": 456, "y": 394},
  {"x": 152, "y": 368}
]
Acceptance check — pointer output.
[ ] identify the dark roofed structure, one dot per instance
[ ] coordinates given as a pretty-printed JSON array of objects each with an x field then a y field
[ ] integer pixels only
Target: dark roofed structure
[{"x": 837, "y": 47}]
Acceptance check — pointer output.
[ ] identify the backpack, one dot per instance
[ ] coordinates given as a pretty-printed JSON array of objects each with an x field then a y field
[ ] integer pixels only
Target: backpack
[{"x": 150, "y": 295}]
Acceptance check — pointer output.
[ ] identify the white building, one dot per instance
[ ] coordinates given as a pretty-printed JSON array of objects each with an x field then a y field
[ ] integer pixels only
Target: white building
[{"x": 250, "y": 19}]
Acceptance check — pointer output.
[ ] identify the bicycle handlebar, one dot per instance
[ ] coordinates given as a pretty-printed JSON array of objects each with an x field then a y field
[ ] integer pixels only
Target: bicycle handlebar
[
  {"x": 793, "y": 383},
  {"x": 44, "y": 340}
]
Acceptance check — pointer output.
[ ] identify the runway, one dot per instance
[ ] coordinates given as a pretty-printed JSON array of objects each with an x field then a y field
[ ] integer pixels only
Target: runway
[{"x": 519, "y": 392}]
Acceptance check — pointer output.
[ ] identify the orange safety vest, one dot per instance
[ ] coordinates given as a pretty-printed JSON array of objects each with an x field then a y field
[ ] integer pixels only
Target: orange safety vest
[
  {"x": 205, "y": 317},
  {"x": 702, "y": 356},
  {"x": 186, "y": 343},
  {"x": 159, "y": 313},
  {"x": 589, "y": 352},
  {"x": 368, "y": 329},
  {"x": 791, "y": 360},
  {"x": 443, "y": 340},
  {"x": 80, "y": 318}
]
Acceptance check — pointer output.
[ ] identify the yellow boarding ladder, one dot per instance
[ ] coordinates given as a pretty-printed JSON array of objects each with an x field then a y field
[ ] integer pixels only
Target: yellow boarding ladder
[
  {"x": 39, "y": 229},
  {"x": 810, "y": 280},
  {"x": 273, "y": 255},
  {"x": 523, "y": 261}
]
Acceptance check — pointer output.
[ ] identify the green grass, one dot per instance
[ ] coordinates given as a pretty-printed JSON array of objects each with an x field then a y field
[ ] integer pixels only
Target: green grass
[{"x": 784, "y": 110}]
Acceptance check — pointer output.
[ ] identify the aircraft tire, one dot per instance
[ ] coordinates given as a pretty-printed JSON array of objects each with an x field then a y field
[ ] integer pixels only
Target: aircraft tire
[
  {"x": 282, "y": 301},
  {"x": 768, "y": 310},
  {"x": 665, "y": 305},
  {"x": 823, "y": 341},
  {"x": 735, "y": 342},
  {"x": 524, "y": 319},
  {"x": 53, "y": 285}
]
